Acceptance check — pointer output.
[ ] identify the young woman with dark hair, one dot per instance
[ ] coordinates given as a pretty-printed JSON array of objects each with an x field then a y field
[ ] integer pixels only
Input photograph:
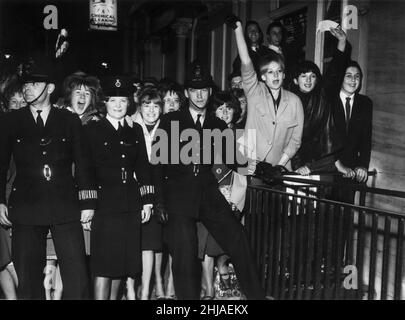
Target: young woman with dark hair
[
  {"x": 147, "y": 116},
  {"x": 225, "y": 106},
  {"x": 319, "y": 138}
]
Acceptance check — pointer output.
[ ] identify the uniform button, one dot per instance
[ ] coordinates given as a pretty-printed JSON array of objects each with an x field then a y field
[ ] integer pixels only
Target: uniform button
[
  {"x": 219, "y": 171},
  {"x": 105, "y": 143},
  {"x": 136, "y": 141},
  {"x": 195, "y": 174},
  {"x": 125, "y": 181},
  {"x": 123, "y": 156},
  {"x": 63, "y": 139},
  {"x": 99, "y": 187},
  {"x": 122, "y": 168},
  {"x": 42, "y": 140},
  {"x": 121, "y": 142},
  {"x": 44, "y": 153},
  {"x": 14, "y": 189},
  {"x": 18, "y": 140}
]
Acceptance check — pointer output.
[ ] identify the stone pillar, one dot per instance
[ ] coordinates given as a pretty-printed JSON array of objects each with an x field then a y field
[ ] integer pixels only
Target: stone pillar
[{"x": 181, "y": 27}]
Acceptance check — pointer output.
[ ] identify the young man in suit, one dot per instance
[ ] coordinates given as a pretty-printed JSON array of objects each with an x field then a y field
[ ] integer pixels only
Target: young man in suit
[
  {"x": 190, "y": 193},
  {"x": 353, "y": 118},
  {"x": 352, "y": 114},
  {"x": 44, "y": 142},
  {"x": 274, "y": 34}
]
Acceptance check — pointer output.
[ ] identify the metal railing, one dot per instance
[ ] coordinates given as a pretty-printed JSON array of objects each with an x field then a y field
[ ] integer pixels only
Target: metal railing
[{"x": 308, "y": 247}]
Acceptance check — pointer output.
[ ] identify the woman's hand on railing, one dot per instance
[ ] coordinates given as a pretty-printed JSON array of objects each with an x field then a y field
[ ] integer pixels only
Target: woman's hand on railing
[
  {"x": 304, "y": 171},
  {"x": 252, "y": 164}
]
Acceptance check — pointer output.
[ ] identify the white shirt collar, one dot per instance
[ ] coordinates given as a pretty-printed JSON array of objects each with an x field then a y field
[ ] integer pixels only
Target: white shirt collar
[
  {"x": 114, "y": 122},
  {"x": 343, "y": 97},
  {"x": 44, "y": 113},
  {"x": 276, "y": 49},
  {"x": 194, "y": 113}
]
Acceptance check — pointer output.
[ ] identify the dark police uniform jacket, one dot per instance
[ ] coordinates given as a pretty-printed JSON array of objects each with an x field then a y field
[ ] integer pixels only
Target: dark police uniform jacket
[
  {"x": 117, "y": 158},
  {"x": 44, "y": 191},
  {"x": 183, "y": 185}
]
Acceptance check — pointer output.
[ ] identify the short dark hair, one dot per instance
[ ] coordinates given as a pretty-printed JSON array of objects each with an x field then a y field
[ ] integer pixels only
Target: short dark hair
[
  {"x": 255, "y": 23},
  {"x": 226, "y": 97},
  {"x": 234, "y": 74},
  {"x": 267, "y": 59},
  {"x": 273, "y": 25},
  {"x": 238, "y": 93},
  {"x": 151, "y": 94},
  {"x": 13, "y": 86},
  {"x": 150, "y": 82},
  {"x": 307, "y": 66},
  {"x": 355, "y": 64},
  {"x": 165, "y": 87}
]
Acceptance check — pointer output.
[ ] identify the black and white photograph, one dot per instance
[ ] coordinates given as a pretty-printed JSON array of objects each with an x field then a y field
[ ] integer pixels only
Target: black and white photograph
[{"x": 219, "y": 151}]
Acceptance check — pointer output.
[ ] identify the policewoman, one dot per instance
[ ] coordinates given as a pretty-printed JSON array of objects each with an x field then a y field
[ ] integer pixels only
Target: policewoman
[
  {"x": 118, "y": 154},
  {"x": 45, "y": 141}
]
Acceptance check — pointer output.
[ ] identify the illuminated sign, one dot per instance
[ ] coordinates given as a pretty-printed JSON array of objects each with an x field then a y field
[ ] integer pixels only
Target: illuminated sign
[{"x": 103, "y": 15}]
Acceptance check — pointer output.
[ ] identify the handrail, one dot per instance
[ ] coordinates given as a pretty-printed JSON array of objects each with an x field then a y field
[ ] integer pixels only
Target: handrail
[
  {"x": 334, "y": 202},
  {"x": 357, "y": 187},
  {"x": 303, "y": 244}
]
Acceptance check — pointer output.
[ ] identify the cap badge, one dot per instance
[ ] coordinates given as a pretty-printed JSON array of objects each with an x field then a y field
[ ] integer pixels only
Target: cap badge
[
  {"x": 197, "y": 71},
  {"x": 118, "y": 83}
]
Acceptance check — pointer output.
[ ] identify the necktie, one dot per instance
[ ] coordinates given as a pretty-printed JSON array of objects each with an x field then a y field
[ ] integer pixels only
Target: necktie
[
  {"x": 347, "y": 109},
  {"x": 199, "y": 129},
  {"x": 198, "y": 124},
  {"x": 40, "y": 122},
  {"x": 119, "y": 129}
]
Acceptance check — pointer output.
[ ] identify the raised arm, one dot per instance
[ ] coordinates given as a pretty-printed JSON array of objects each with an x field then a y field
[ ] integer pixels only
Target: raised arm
[
  {"x": 234, "y": 23},
  {"x": 333, "y": 77},
  {"x": 248, "y": 72}
]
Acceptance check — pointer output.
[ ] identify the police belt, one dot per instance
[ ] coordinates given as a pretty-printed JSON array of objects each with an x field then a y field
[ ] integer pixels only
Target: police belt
[
  {"x": 177, "y": 171},
  {"x": 111, "y": 175},
  {"x": 45, "y": 172}
]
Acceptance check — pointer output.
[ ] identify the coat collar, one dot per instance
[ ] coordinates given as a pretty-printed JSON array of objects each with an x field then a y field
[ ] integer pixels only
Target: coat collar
[{"x": 283, "y": 103}]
